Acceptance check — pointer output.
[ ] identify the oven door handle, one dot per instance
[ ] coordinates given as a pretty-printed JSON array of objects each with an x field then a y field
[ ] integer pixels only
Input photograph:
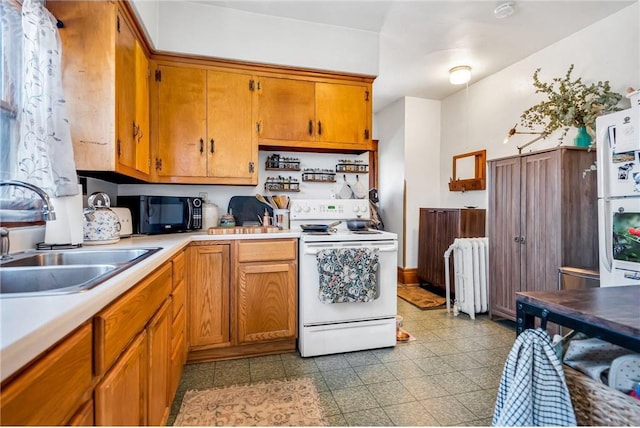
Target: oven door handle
[{"x": 382, "y": 248}]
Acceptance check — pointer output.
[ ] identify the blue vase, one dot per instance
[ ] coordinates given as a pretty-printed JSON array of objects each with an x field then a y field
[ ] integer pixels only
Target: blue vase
[{"x": 582, "y": 138}]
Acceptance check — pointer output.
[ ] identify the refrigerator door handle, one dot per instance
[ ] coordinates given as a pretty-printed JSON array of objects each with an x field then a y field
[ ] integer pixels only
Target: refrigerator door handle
[{"x": 608, "y": 227}]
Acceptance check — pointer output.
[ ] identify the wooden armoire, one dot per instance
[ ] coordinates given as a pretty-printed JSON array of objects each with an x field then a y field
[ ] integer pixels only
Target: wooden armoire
[
  {"x": 542, "y": 216},
  {"x": 438, "y": 227}
]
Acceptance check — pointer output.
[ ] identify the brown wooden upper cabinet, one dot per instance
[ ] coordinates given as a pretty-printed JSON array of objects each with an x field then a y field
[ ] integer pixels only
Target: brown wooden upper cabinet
[
  {"x": 105, "y": 79},
  {"x": 313, "y": 114},
  {"x": 203, "y": 122}
]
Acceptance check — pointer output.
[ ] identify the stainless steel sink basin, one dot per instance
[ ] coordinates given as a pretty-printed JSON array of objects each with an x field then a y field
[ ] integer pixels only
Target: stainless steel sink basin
[
  {"x": 65, "y": 271},
  {"x": 77, "y": 257},
  {"x": 58, "y": 279}
]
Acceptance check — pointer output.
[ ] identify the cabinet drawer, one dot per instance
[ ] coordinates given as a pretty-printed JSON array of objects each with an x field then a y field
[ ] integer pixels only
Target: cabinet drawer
[
  {"x": 120, "y": 322},
  {"x": 267, "y": 250},
  {"x": 178, "y": 269},
  {"x": 178, "y": 299},
  {"x": 64, "y": 371}
]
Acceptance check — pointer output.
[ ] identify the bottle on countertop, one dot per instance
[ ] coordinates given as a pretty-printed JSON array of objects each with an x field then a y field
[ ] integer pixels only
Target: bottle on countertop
[{"x": 266, "y": 219}]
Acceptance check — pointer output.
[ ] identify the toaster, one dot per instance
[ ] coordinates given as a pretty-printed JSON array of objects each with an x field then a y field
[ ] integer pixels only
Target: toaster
[{"x": 126, "y": 225}]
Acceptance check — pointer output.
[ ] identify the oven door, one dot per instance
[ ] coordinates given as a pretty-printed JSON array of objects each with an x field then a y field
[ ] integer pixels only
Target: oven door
[{"x": 314, "y": 312}]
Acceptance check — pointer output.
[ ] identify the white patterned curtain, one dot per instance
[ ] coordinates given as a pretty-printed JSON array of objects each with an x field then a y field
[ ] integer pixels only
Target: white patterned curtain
[{"x": 45, "y": 150}]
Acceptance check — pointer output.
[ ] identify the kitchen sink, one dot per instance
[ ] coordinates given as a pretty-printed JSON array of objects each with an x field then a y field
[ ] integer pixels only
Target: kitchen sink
[
  {"x": 64, "y": 271},
  {"x": 58, "y": 279},
  {"x": 79, "y": 257}
]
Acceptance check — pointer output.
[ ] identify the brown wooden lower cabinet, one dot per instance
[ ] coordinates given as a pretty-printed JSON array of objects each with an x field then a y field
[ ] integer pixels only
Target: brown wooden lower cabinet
[
  {"x": 65, "y": 371},
  {"x": 251, "y": 312},
  {"x": 208, "y": 295},
  {"x": 438, "y": 228},
  {"x": 121, "y": 396},
  {"x": 83, "y": 417},
  {"x": 159, "y": 353}
]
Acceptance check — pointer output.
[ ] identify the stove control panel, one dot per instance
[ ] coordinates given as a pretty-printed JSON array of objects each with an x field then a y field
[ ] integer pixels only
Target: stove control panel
[{"x": 329, "y": 209}]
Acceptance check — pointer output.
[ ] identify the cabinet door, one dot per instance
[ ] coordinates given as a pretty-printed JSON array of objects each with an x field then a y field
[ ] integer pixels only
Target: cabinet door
[
  {"x": 341, "y": 113},
  {"x": 141, "y": 130},
  {"x": 208, "y": 295},
  {"x": 64, "y": 371},
  {"x": 540, "y": 221},
  {"x": 159, "y": 349},
  {"x": 125, "y": 93},
  {"x": 182, "y": 113},
  {"x": 230, "y": 144},
  {"x": 438, "y": 229},
  {"x": 121, "y": 397},
  {"x": 286, "y": 109},
  {"x": 266, "y": 301},
  {"x": 428, "y": 230},
  {"x": 504, "y": 236}
]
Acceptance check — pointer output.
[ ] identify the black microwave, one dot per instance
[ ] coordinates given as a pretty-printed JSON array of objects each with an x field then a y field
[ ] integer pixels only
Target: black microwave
[{"x": 163, "y": 214}]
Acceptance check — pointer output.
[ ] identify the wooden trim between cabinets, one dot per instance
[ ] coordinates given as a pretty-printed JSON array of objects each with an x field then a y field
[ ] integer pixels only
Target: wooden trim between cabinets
[{"x": 261, "y": 68}]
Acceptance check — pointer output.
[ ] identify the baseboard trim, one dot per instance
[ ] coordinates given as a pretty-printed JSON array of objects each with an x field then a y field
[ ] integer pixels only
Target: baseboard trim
[{"x": 408, "y": 276}]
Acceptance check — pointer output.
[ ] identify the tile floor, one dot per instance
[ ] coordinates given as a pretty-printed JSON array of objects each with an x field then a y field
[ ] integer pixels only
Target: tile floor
[{"x": 448, "y": 376}]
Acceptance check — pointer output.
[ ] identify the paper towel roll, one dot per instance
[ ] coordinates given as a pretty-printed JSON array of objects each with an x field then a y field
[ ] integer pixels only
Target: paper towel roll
[{"x": 67, "y": 227}]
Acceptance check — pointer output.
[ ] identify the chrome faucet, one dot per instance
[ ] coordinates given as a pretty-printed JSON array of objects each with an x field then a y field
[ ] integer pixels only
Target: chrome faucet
[{"x": 48, "y": 214}]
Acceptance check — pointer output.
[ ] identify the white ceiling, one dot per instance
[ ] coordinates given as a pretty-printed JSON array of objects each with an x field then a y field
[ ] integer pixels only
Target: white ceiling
[{"x": 421, "y": 40}]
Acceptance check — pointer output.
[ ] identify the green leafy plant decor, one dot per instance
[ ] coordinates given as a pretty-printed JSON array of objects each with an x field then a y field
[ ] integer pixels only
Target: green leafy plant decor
[{"x": 569, "y": 103}]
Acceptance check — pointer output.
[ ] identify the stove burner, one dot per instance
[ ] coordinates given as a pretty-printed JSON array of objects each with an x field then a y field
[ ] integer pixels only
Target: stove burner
[{"x": 366, "y": 232}]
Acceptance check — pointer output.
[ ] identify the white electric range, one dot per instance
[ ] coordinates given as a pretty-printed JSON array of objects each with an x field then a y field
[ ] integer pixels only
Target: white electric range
[{"x": 329, "y": 328}]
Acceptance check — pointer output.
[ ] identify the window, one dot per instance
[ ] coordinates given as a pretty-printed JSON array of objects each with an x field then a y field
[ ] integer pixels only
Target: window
[{"x": 11, "y": 68}]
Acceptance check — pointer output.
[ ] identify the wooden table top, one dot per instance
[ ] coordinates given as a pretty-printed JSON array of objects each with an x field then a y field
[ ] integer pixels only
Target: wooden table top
[{"x": 612, "y": 308}]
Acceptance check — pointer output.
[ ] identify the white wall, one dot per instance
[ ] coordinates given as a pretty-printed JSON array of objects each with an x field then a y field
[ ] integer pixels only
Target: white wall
[
  {"x": 220, "y": 195},
  {"x": 422, "y": 154},
  {"x": 606, "y": 50},
  {"x": 479, "y": 117},
  {"x": 408, "y": 150},
  {"x": 192, "y": 28},
  {"x": 391, "y": 162}
]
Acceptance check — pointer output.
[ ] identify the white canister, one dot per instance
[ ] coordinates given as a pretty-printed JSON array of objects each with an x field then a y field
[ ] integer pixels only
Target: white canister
[
  {"x": 209, "y": 216},
  {"x": 281, "y": 219}
]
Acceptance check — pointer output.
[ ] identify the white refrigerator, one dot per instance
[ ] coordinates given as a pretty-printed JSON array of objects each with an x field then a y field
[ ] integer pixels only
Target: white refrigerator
[{"x": 618, "y": 154}]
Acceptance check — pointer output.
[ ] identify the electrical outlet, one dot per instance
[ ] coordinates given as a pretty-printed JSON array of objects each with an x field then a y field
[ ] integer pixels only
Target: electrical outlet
[{"x": 204, "y": 196}]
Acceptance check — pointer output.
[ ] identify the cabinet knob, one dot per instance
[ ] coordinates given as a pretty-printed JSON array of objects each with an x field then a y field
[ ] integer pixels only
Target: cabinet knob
[
  {"x": 311, "y": 127},
  {"x": 212, "y": 144},
  {"x": 201, "y": 146}
]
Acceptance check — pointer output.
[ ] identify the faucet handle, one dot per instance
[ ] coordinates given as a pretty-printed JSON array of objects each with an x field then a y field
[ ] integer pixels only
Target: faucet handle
[{"x": 4, "y": 243}]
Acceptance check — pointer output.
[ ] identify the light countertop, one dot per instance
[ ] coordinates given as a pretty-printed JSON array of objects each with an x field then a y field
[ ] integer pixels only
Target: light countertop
[{"x": 30, "y": 325}]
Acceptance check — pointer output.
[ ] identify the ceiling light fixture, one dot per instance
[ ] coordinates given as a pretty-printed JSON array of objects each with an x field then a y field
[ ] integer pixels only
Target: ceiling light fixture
[
  {"x": 513, "y": 131},
  {"x": 504, "y": 10},
  {"x": 460, "y": 74}
]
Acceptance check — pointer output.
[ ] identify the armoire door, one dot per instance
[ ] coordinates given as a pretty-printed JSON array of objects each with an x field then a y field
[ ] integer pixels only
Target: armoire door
[
  {"x": 540, "y": 220},
  {"x": 504, "y": 235}
]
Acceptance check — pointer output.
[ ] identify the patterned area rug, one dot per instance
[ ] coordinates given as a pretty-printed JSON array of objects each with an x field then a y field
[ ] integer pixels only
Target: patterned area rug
[
  {"x": 420, "y": 297},
  {"x": 276, "y": 403}
]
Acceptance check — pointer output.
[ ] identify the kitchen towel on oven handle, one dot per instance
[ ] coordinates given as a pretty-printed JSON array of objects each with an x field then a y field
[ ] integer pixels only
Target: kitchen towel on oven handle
[{"x": 347, "y": 275}]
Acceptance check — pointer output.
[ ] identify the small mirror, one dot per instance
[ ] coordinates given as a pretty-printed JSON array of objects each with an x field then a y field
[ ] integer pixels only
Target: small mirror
[{"x": 469, "y": 172}]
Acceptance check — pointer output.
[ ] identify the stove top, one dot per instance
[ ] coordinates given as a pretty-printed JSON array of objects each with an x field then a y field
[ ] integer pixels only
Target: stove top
[{"x": 328, "y": 211}]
